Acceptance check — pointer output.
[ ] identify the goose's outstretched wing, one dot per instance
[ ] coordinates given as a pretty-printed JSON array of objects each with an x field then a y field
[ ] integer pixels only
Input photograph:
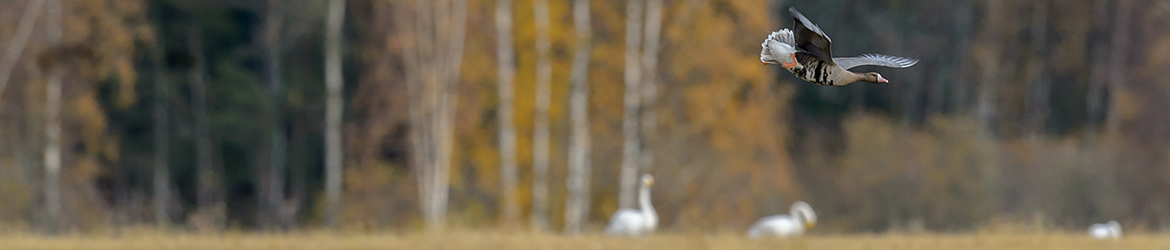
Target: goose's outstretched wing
[
  {"x": 809, "y": 38},
  {"x": 875, "y": 59}
]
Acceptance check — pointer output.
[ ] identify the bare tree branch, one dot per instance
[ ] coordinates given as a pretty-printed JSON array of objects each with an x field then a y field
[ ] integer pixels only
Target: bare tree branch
[{"x": 16, "y": 45}]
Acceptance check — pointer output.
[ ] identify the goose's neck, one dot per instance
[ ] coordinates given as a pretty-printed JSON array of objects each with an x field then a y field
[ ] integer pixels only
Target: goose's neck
[
  {"x": 852, "y": 77},
  {"x": 647, "y": 207}
]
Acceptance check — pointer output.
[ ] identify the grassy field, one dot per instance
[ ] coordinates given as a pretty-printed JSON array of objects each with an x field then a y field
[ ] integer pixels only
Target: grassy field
[{"x": 490, "y": 240}]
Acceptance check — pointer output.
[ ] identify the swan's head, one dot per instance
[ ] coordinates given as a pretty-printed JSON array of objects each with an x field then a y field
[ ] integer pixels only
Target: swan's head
[
  {"x": 647, "y": 180},
  {"x": 805, "y": 212},
  {"x": 1115, "y": 227}
]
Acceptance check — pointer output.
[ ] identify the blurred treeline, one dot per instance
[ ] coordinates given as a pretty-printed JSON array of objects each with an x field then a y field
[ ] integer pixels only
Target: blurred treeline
[{"x": 1041, "y": 110}]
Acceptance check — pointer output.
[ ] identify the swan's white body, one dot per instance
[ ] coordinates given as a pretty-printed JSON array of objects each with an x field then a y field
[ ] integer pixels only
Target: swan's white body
[
  {"x": 631, "y": 222},
  {"x": 800, "y": 217},
  {"x": 1110, "y": 230}
]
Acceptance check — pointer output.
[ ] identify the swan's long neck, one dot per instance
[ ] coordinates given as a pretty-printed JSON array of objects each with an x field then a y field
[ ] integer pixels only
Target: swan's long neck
[
  {"x": 798, "y": 216},
  {"x": 647, "y": 207}
]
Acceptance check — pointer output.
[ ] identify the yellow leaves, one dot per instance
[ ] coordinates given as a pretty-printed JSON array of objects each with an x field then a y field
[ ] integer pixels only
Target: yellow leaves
[
  {"x": 111, "y": 29},
  {"x": 92, "y": 122},
  {"x": 728, "y": 113},
  {"x": 714, "y": 96}
]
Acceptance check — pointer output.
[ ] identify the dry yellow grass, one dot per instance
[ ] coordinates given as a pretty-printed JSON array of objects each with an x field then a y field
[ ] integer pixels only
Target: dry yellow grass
[{"x": 492, "y": 240}]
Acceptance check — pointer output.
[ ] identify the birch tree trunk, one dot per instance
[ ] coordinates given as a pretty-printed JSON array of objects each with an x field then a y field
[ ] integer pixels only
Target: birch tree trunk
[
  {"x": 540, "y": 137},
  {"x": 989, "y": 63},
  {"x": 53, "y": 130},
  {"x": 207, "y": 193},
  {"x": 650, "y": 47},
  {"x": 633, "y": 76},
  {"x": 16, "y": 46},
  {"x": 433, "y": 34},
  {"x": 274, "y": 191},
  {"x": 12, "y": 53},
  {"x": 577, "y": 185},
  {"x": 161, "y": 144},
  {"x": 507, "y": 74},
  {"x": 333, "y": 111}
]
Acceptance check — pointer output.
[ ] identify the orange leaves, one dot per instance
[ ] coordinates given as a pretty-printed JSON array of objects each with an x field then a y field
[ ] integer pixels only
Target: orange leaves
[
  {"x": 727, "y": 111},
  {"x": 111, "y": 28}
]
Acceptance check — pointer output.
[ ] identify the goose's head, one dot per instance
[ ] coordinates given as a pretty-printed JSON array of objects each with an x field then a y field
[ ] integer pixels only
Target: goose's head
[
  {"x": 873, "y": 77},
  {"x": 647, "y": 180}
]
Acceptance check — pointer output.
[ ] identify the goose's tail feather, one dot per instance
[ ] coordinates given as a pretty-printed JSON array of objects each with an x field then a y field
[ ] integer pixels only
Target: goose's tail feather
[{"x": 782, "y": 40}]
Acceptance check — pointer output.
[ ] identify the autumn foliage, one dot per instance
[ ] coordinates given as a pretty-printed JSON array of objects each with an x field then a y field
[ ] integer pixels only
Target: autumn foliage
[{"x": 1049, "y": 112}]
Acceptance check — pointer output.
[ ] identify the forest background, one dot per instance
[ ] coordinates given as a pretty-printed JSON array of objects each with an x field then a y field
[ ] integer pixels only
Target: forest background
[{"x": 403, "y": 115}]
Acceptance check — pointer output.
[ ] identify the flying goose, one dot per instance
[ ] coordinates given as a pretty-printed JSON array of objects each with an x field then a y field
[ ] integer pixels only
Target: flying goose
[
  {"x": 799, "y": 218},
  {"x": 805, "y": 51},
  {"x": 630, "y": 222},
  {"x": 1109, "y": 230}
]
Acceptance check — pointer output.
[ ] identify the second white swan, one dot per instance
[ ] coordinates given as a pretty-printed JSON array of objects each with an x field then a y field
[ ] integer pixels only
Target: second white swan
[
  {"x": 1109, "y": 230},
  {"x": 799, "y": 218}
]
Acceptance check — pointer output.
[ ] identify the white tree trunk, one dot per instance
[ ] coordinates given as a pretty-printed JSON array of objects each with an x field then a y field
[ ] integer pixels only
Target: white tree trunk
[
  {"x": 274, "y": 192},
  {"x": 434, "y": 34},
  {"x": 633, "y": 76},
  {"x": 540, "y": 138},
  {"x": 53, "y": 127},
  {"x": 650, "y": 47},
  {"x": 333, "y": 111},
  {"x": 507, "y": 74},
  {"x": 16, "y": 46},
  {"x": 577, "y": 183}
]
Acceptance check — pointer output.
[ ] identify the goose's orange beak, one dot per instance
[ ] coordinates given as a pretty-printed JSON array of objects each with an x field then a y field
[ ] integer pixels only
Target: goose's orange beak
[{"x": 882, "y": 80}]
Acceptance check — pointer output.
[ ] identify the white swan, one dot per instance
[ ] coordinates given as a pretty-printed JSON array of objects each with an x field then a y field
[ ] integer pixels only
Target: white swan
[
  {"x": 630, "y": 222},
  {"x": 799, "y": 218},
  {"x": 1109, "y": 230}
]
